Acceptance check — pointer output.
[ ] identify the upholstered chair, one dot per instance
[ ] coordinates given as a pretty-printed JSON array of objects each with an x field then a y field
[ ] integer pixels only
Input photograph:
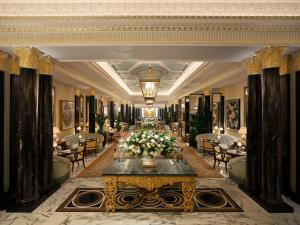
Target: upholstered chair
[
  {"x": 77, "y": 156},
  {"x": 207, "y": 147},
  {"x": 90, "y": 146},
  {"x": 220, "y": 156}
]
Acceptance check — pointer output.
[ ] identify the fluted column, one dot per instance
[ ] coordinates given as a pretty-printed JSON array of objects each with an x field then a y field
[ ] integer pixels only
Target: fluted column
[
  {"x": 133, "y": 115},
  {"x": 27, "y": 132},
  {"x": 253, "y": 180},
  {"x": 271, "y": 161},
  {"x": 77, "y": 109},
  {"x": 45, "y": 125},
  {"x": 92, "y": 111},
  {"x": 207, "y": 111},
  {"x": 14, "y": 72},
  {"x": 3, "y": 65},
  {"x": 127, "y": 113}
]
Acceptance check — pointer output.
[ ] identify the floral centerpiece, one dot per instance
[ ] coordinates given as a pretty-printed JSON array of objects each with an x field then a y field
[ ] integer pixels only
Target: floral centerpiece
[
  {"x": 150, "y": 124},
  {"x": 150, "y": 144}
]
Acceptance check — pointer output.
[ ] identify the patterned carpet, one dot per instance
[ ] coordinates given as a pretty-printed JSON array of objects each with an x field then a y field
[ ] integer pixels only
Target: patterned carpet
[
  {"x": 98, "y": 165},
  {"x": 169, "y": 200}
]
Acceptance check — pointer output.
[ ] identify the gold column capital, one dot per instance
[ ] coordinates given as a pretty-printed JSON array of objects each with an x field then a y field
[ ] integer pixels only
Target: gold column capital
[
  {"x": 221, "y": 90},
  {"x": 3, "y": 60},
  {"x": 253, "y": 65},
  {"x": 46, "y": 65},
  {"x": 284, "y": 65},
  {"x": 77, "y": 91},
  {"x": 92, "y": 92},
  {"x": 271, "y": 56},
  {"x": 29, "y": 57},
  {"x": 207, "y": 91},
  {"x": 14, "y": 65},
  {"x": 296, "y": 58}
]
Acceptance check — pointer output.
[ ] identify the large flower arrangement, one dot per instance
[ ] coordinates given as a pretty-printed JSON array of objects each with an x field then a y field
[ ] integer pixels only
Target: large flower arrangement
[
  {"x": 145, "y": 144},
  {"x": 150, "y": 124}
]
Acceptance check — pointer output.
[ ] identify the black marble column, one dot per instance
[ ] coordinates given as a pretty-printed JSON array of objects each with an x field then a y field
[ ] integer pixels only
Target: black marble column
[
  {"x": 2, "y": 74},
  {"x": 45, "y": 134},
  {"x": 92, "y": 114},
  {"x": 77, "y": 110},
  {"x": 126, "y": 114},
  {"x": 14, "y": 137},
  {"x": 253, "y": 181},
  {"x": 129, "y": 115},
  {"x": 133, "y": 115},
  {"x": 176, "y": 112},
  {"x": 208, "y": 116},
  {"x": 122, "y": 113},
  {"x": 111, "y": 114},
  {"x": 222, "y": 113},
  {"x": 28, "y": 151},
  {"x": 285, "y": 143},
  {"x": 296, "y": 196}
]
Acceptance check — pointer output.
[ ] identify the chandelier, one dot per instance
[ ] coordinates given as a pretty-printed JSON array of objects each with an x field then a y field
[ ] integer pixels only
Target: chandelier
[{"x": 149, "y": 84}]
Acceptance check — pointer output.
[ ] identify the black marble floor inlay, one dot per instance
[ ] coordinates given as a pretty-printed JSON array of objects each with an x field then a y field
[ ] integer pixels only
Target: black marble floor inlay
[{"x": 168, "y": 200}]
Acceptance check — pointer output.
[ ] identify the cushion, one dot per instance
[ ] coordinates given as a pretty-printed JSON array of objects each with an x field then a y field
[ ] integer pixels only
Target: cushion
[
  {"x": 72, "y": 158},
  {"x": 226, "y": 158}
]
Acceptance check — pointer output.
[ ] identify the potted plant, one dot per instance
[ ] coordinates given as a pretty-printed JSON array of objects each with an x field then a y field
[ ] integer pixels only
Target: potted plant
[
  {"x": 100, "y": 120},
  {"x": 197, "y": 124},
  {"x": 118, "y": 124}
]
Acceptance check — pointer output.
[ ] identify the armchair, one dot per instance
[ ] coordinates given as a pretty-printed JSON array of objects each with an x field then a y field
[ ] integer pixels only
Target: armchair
[{"x": 220, "y": 156}]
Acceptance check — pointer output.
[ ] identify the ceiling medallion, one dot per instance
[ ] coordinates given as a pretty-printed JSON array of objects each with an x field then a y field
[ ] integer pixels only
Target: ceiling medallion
[{"x": 149, "y": 84}]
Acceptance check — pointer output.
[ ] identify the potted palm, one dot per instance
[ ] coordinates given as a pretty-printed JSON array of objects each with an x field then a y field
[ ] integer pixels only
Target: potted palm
[{"x": 100, "y": 120}]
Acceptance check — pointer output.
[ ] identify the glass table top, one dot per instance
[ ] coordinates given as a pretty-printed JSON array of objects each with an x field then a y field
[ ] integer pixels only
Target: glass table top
[{"x": 134, "y": 167}]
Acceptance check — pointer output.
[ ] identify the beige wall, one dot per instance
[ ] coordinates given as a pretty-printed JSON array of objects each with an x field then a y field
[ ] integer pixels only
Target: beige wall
[{"x": 235, "y": 92}]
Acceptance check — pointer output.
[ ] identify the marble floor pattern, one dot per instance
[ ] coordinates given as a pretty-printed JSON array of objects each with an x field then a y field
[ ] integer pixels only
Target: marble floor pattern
[{"x": 252, "y": 215}]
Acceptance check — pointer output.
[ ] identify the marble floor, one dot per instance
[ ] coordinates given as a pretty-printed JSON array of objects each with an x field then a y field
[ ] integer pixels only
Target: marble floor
[{"x": 252, "y": 215}]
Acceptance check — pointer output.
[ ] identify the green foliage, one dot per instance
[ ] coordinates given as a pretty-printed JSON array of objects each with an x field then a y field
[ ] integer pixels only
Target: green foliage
[
  {"x": 118, "y": 123},
  {"x": 197, "y": 125},
  {"x": 100, "y": 120}
]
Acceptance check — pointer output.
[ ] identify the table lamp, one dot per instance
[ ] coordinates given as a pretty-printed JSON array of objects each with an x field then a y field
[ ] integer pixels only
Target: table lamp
[{"x": 56, "y": 132}]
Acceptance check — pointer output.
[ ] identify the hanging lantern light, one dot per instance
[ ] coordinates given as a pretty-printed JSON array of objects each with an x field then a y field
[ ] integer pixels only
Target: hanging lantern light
[{"x": 149, "y": 85}]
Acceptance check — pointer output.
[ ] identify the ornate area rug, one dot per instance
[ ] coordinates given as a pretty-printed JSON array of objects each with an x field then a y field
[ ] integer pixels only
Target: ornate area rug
[{"x": 170, "y": 200}]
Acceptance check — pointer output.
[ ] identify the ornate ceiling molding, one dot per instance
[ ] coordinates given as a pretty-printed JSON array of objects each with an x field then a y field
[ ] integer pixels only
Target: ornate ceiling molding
[
  {"x": 153, "y": 8},
  {"x": 144, "y": 30}
]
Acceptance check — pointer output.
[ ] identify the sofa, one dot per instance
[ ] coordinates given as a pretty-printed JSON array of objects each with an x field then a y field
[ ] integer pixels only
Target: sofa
[
  {"x": 71, "y": 141},
  {"x": 224, "y": 138},
  {"x": 237, "y": 169},
  {"x": 61, "y": 169}
]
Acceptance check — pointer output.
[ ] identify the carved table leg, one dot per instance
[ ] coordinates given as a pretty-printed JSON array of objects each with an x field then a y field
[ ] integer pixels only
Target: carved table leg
[
  {"x": 110, "y": 190},
  {"x": 188, "y": 190}
]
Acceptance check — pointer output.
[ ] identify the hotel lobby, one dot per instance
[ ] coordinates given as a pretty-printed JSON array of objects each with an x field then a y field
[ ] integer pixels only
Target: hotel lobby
[{"x": 149, "y": 112}]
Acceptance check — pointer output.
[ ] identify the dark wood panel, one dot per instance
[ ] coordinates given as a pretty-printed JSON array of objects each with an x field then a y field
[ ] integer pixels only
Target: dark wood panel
[
  {"x": 2, "y": 131},
  {"x": 298, "y": 136},
  {"x": 77, "y": 112}
]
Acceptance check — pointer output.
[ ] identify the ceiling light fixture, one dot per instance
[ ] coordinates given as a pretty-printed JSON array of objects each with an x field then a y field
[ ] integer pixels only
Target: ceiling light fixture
[{"x": 149, "y": 84}]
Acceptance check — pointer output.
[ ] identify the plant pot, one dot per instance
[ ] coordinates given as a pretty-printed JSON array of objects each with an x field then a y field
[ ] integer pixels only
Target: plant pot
[{"x": 148, "y": 162}]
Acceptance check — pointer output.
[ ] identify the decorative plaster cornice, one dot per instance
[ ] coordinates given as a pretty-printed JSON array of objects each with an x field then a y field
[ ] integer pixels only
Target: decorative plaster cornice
[
  {"x": 153, "y": 8},
  {"x": 133, "y": 29}
]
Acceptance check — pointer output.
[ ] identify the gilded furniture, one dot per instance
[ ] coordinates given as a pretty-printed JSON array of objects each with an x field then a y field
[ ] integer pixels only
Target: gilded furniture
[
  {"x": 77, "y": 156},
  {"x": 149, "y": 181},
  {"x": 90, "y": 146},
  {"x": 223, "y": 138},
  {"x": 220, "y": 156},
  {"x": 207, "y": 147}
]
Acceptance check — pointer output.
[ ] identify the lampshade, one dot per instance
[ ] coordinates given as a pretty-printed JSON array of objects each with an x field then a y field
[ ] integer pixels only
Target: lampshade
[
  {"x": 56, "y": 131},
  {"x": 243, "y": 131}
]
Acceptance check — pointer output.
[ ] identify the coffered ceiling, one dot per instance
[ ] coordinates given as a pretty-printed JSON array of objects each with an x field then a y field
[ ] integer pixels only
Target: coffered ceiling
[{"x": 130, "y": 71}]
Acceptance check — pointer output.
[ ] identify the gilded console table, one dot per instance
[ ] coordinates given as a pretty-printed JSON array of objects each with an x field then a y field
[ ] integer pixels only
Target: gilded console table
[{"x": 131, "y": 173}]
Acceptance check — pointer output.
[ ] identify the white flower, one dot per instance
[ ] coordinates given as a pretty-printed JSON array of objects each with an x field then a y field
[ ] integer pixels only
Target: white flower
[
  {"x": 161, "y": 139},
  {"x": 152, "y": 141},
  {"x": 143, "y": 135}
]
